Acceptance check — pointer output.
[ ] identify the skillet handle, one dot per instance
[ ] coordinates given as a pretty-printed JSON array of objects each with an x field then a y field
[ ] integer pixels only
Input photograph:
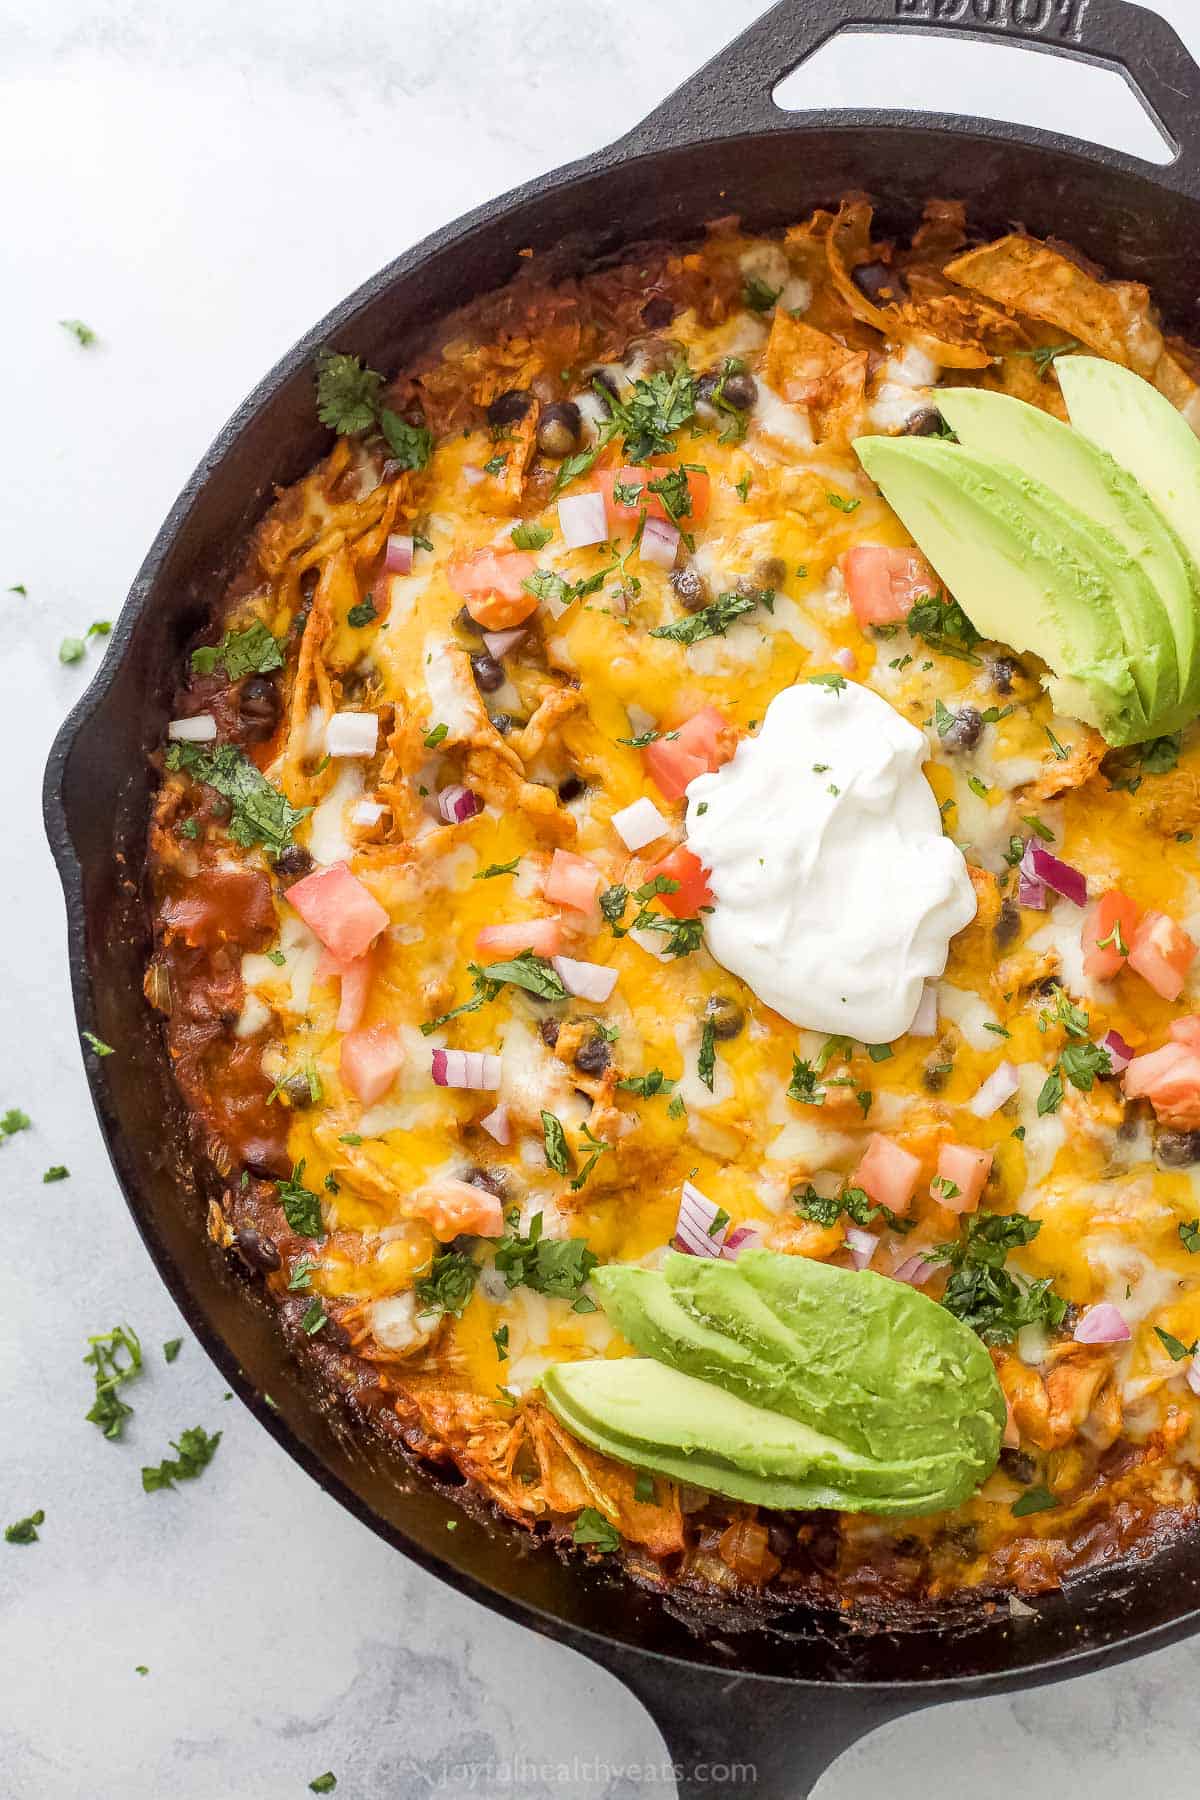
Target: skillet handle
[
  {"x": 731, "y": 96},
  {"x": 746, "y": 1735}
]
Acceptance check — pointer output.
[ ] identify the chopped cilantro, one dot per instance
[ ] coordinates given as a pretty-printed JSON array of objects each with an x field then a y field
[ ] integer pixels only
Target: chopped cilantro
[
  {"x": 879, "y": 1052},
  {"x": 654, "y": 411},
  {"x": 83, "y": 334},
  {"x": 277, "y": 957},
  {"x": 1037, "y": 827},
  {"x": 325, "y": 1784},
  {"x": 979, "y": 788},
  {"x": 643, "y": 1488},
  {"x": 593, "y": 1529},
  {"x": 1060, "y": 750},
  {"x": 314, "y": 1317},
  {"x": 982, "y": 1293},
  {"x": 836, "y": 682},
  {"x": 171, "y": 1349},
  {"x": 56, "y": 1172},
  {"x": 25, "y": 1531},
  {"x": 301, "y": 1276},
  {"x": 528, "y": 971},
  {"x": 707, "y": 1060},
  {"x": 302, "y": 1208},
  {"x": 554, "y": 1266},
  {"x": 71, "y": 650},
  {"x": 596, "y": 1148},
  {"x": 250, "y": 652},
  {"x": 362, "y": 613},
  {"x": 347, "y": 393},
  {"x": 1189, "y": 1235},
  {"x": 261, "y": 814},
  {"x": 1044, "y": 356},
  {"x": 437, "y": 734},
  {"x": 1034, "y": 1500},
  {"x": 494, "y": 869},
  {"x": 495, "y": 465},
  {"x": 758, "y": 295},
  {"x": 1173, "y": 1346},
  {"x": 194, "y": 1450},
  {"x": 12, "y": 1121},
  {"x": 804, "y": 1086},
  {"x": 530, "y": 536},
  {"x": 450, "y": 1282},
  {"x": 841, "y": 504},
  {"x": 742, "y": 489},
  {"x": 944, "y": 626},
  {"x": 115, "y": 1358},
  {"x": 648, "y": 737},
  {"x": 500, "y": 1339},
  {"x": 555, "y": 1139}
]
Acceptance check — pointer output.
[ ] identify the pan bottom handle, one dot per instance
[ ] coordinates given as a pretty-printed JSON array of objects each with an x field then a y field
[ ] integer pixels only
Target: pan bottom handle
[{"x": 745, "y": 1736}]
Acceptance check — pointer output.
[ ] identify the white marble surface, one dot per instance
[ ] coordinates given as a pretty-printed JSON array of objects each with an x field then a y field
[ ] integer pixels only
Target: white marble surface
[{"x": 199, "y": 180}]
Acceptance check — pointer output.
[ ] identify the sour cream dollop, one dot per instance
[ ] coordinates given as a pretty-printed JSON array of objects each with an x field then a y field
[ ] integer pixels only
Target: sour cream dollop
[{"x": 835, "y": 892}]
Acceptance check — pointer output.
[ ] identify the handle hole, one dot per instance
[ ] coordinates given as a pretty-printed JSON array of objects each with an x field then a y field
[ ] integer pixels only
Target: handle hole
[{"x": 955, "y": 73}]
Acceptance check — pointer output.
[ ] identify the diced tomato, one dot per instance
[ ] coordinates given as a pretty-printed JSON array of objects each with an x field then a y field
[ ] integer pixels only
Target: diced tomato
[
  {"x": 961, "y": 1175},
  {"x": 371, "y": 1059},
  {"x": 340, "y": 910},
  {"x": 884, "y": 583},
  {"x": 355, "y": 979},
  {"x": 1187, "y": 1031},
  {"x": 1162, "y": 953},
  {"x": 542, "y": 936},
  {"x": 697, "y": 747},
  {"x": 684, "y": 866},
  {"x": 1101, "y": 961},
  {"x": 640, "y": 476},
  {"x": 572, "y": 881},
  {"x": 453, "y": 1206},
  {"x": 491, "y": 583},
  {"x": 1170, "y": 1079},
  {"x": 887, "y": 1174}
]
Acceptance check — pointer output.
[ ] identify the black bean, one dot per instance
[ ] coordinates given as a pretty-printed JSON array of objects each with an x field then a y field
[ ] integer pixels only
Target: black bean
[
  {"x": 257, "y": 1251},
  {"x": 691, "y": 589},
  {"x": 509, "y": 406},
  {"x": 571, "y": 789},
  {"x": 1003, "y": 671},
  {"x": 1177, "y": 1149},
  {"x": 489, "y": 674},
  {"x": 503, "y": 722},
  {"x": 492, "y": 1181},
  {"x": 593, "y": 1055},
  {"x": 657, "y": 312},
  {"x": 559, "y": 429},
  {"x": 725, "y": 1016},
  {"x": 1018, "y": 1465},
  {"x": 465, "y": 622},
  {"x": 298, "y": 1089},
  {"x": 781, "y": 1539},
  {"x": 259, "y": 707},
  {"x": 1008, "y": 923},
  {"x": 740, "y": 390},
  {"x": 965, "y": 732},
  {"x": 293, "y": 862},
  {"x": 878, "y": 282},
  {"x": 652, "y": 354},
  {"x": 549, "y": 1029},
  {"x": 927, "y": 421}
]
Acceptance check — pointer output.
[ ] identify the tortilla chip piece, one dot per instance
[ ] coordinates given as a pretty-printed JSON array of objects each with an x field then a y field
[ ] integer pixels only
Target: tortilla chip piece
[{"x": 1111, "y": 317}]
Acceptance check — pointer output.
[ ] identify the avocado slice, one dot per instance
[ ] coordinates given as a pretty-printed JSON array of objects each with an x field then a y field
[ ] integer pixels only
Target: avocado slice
[
  {"x": 654, "y": 1417},
  {"x": 869, "y": 1361},
  {"x": 1133, "y": 422},
  {"x": 1027, "y": 569},
  {"x": 1079, "y": 472},
  {"x": 790, "y": 1383}
]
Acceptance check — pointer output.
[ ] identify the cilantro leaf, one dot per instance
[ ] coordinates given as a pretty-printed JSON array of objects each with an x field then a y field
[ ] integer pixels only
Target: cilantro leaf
[
  {"x": 261, "y": 814},
  {"x": 171, "y": 1349},
  {"x": 115, "y": 1358},
  {"x": 194, "y": 1450},
  {"x": 411, "y": 445},
  {"x": 944, "y": 626},
  {"x": 56, "y": 1172},
  {"x": 1034, "y": 1500},
  {"x": 528, "y": 971},
  {"x": 252, "y": 651},
  {"x": 713, "y": 620},
  {"x": 450, "y": 1282},
  {"x": 494, "y": 869},
  {"x": 347, "y": 393},
  {"x": 301, "y": 1207},
  {"x": 982, "y": 1293},
  {"x": 555, "y": 1139},
  {"x": 83, "y": 334},
  {"x": 530, "y": 536},
  {"x": 593, "y": 1529},
  {"x": 24, "y": 1531},
  {"x": 654, "y": 411},
  {"x": 71, "y": 650},
  {"x": 362, "y": 613},
  {"x": 758, "y": 295},
  {"x": 554, "y": 1266},
  {"x": 706, "y": 1061},
  {"x": 97, "y": 1045},
  {"x": 804, "y": 1085}
]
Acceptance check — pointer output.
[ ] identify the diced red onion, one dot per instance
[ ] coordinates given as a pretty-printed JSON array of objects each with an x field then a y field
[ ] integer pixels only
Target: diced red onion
[
  {"x": 466, "y": 1069},
  {"x": 201, "y": 728},
  {"x": 915, "y": 1270},
  {"x": 1102, "y": 1324},
  {"x": 1119, "y": 1053},
  {"x": 1000, "y": 1086},
  {"x": 398, "y": 558},
  {"x": 1070, "y": 883},
  {"x": 497, "y": 1124},
  {"x": 742, "y": 1237},
  {"x": 862, "y": 1246},
  {"x": 693, "y": 1227},
  {"x": 1030, "y": 891},
  {"x": 499, "y": 643},
  {"x": 458, "y": 804},
  {"x": 1192, "y": 1372},
  {"x": 582, "y": 521},
  {"x": 845, "y": 659},
  {"x": 352, "y": 734},
  {"x": 586, "y": 980},
  {"x": 925, "y": 1021},
  {"x": 639, "y": 824},
  {"x": 660, "y": 541}
]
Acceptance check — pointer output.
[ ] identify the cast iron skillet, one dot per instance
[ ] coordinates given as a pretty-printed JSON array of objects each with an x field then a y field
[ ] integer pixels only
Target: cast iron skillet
[{"x": 786, "y": 1701}]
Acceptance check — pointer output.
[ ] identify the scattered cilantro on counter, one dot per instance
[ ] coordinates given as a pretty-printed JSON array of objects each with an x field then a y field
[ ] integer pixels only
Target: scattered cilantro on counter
[
  {"x": 171, "y": 1349},
  {"x": 24, "y": 1531},
  {"x": 194, "y": 1450},
  {"x": 323, "y": 1784},
  {"x": 12, "y": 1121},
  {"x": 56, "y": 1172},
  {"x": 83, "y": 334},
  {"x": 115, "y": 1358},
  {"x": 71, "y": 650}
]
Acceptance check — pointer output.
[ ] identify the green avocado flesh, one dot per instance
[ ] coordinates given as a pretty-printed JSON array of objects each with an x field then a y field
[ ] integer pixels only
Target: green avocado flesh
[
  {"x": 783, "y": 1381},
  {"x": 1127, "y": 417},
  {"x": 1027, "y": 568},
  {"x": 1166, "y": 597}
]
